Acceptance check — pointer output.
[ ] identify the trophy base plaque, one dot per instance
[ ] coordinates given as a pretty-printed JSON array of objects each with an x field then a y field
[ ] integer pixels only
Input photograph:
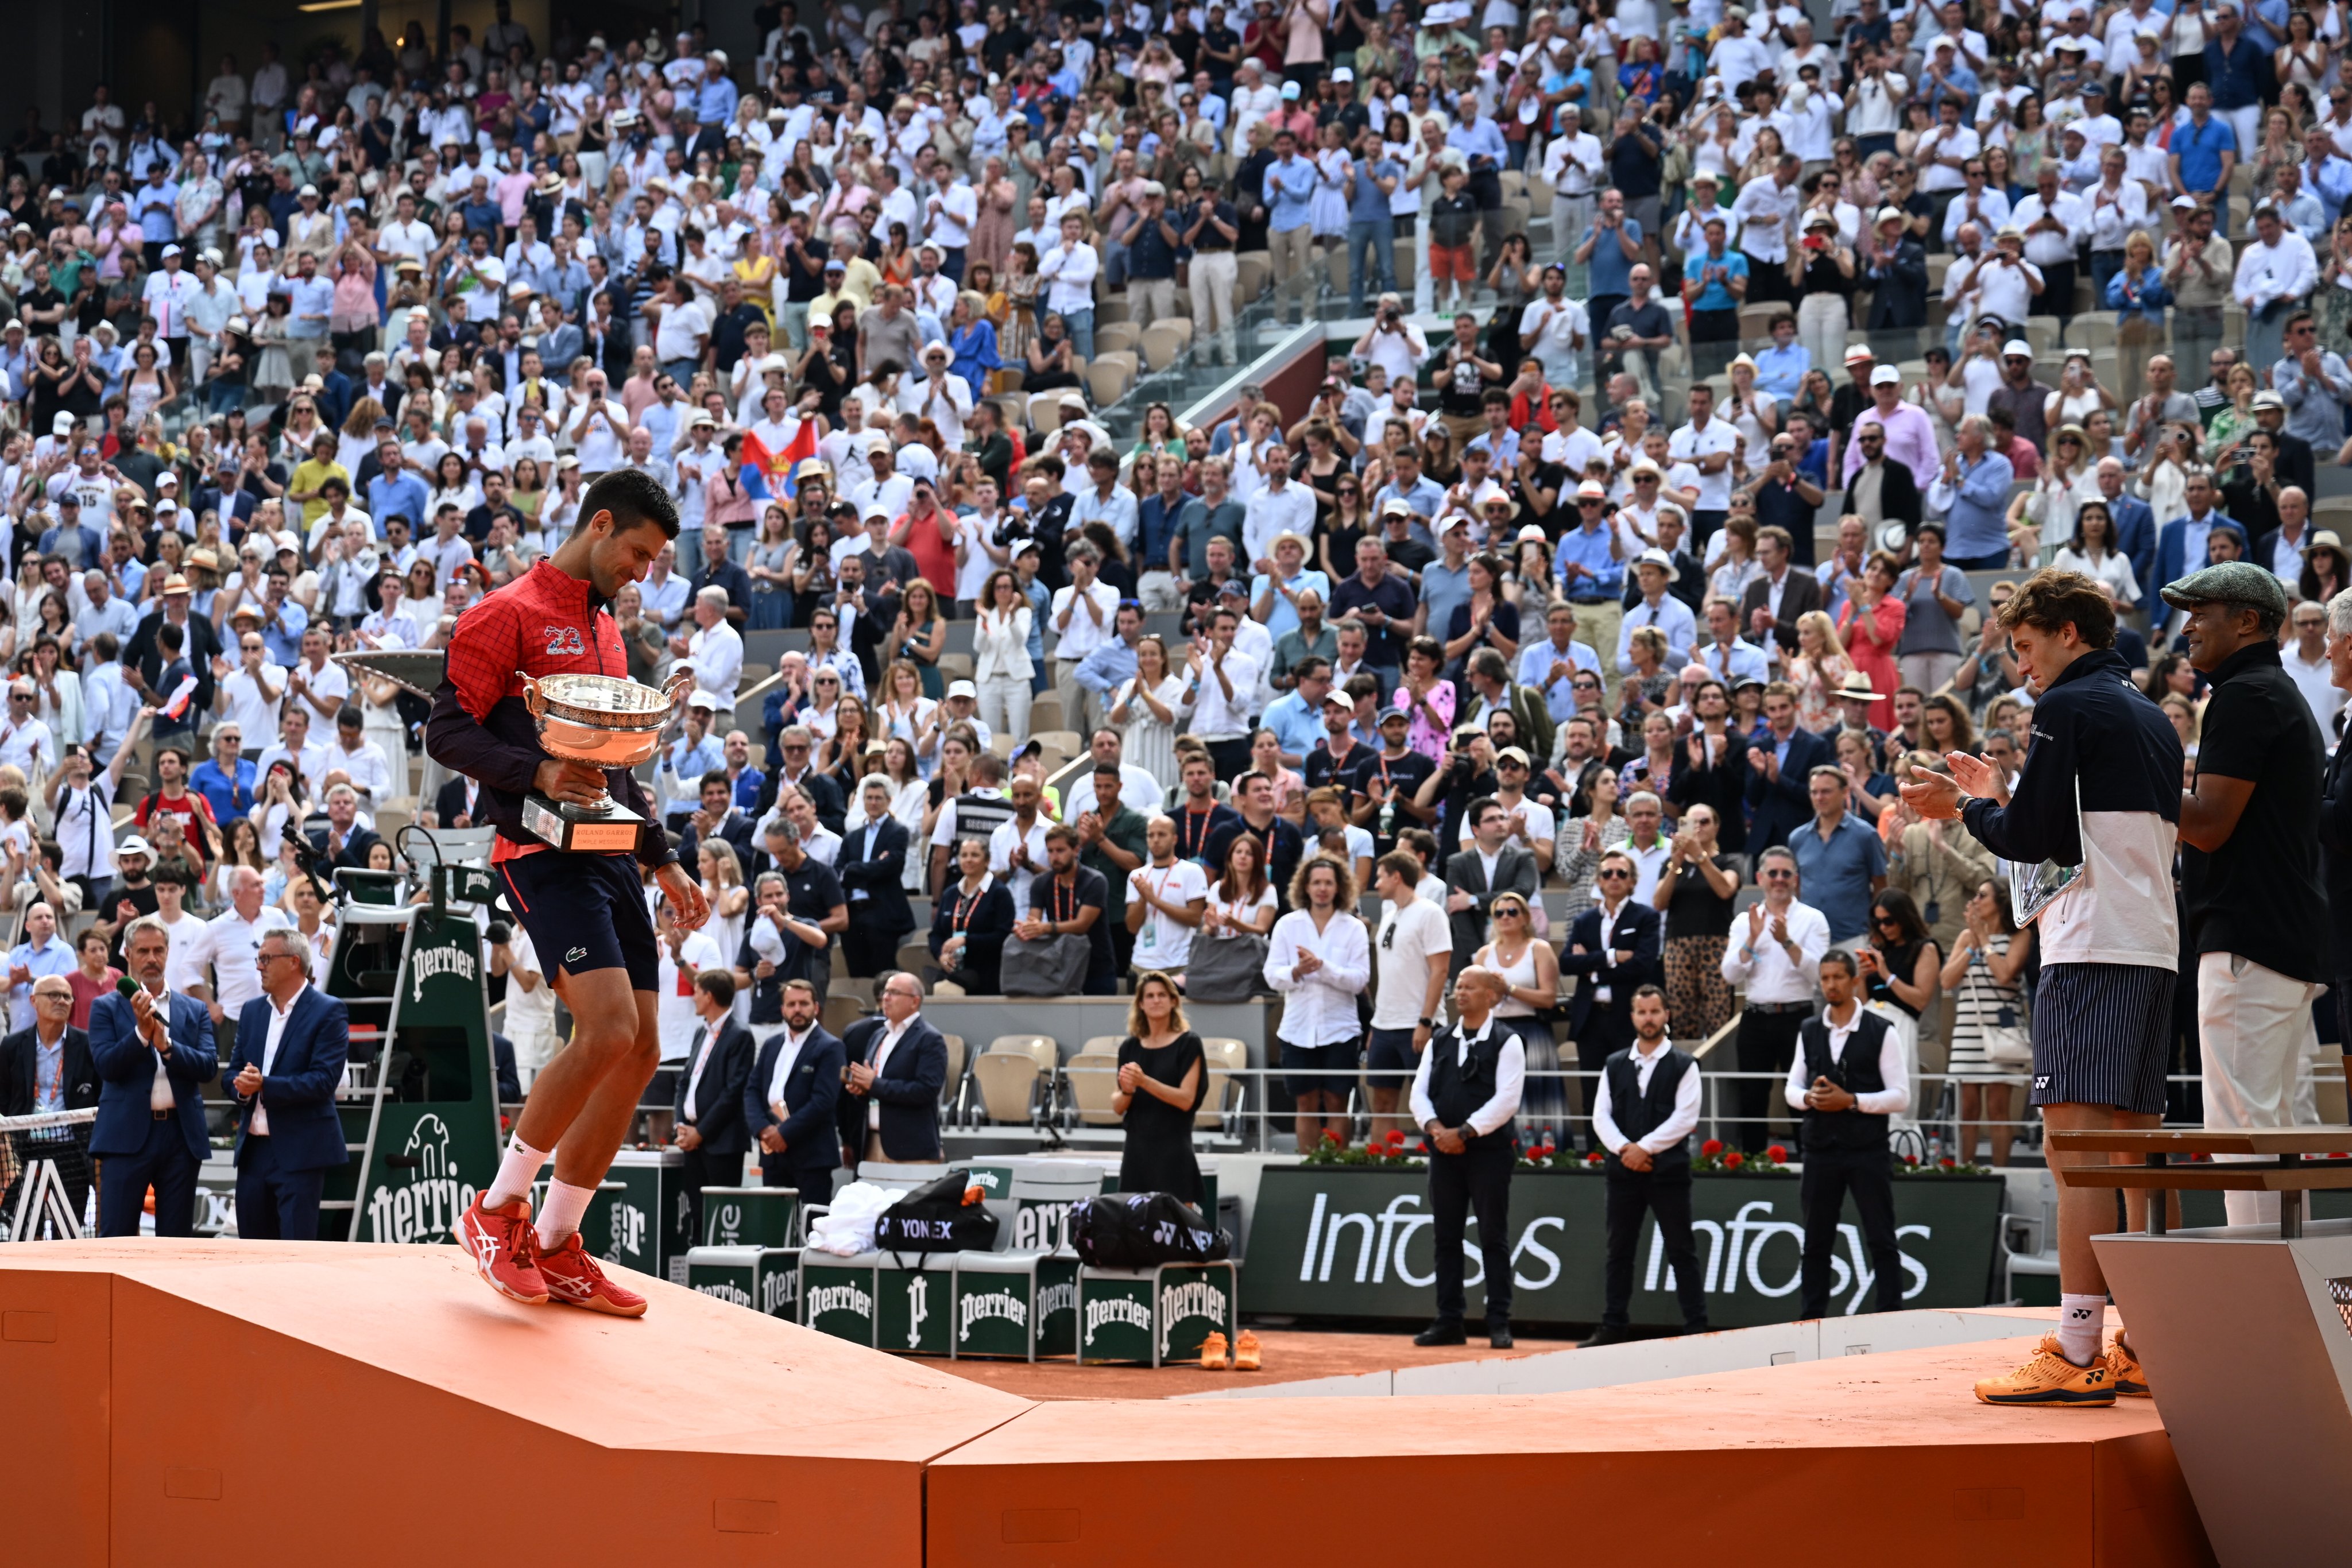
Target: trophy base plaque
[{"x": 601, "y": 830}]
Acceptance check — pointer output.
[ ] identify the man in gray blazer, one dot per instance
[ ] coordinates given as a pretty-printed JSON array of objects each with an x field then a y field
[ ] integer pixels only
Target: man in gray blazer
[{"x": 1491, "y": 864}]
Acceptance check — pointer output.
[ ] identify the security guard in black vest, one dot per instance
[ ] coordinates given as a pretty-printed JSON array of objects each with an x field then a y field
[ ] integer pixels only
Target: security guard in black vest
[
  {"x": 1848, "y": 1078},
  {"x": 1642, "y": 1115},
  {"x": 1464, "y": 1097}
]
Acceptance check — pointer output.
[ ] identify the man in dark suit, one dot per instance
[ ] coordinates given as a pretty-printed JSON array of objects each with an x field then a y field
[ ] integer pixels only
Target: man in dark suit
[
  {"x": 343, "y": 841},
  {"x": 2174, "y": 545},
  {"x": 1775, "y": 600},
  {"x": 890, "y": 1105},
  {"x": 710, "y": 1105},
  {"x": 1643, "y": 1108},
  {"x": 44, "y": 1070},
  {"x": 1615, "y": 946},
  {"x": 150, "y": 1131},
  {"x": 291, "y": 1043},
  {"x": 453, "y": 803},
  {"x": 871, "y": 865},
  {"x": 1899, "y": 488},
  {"x": 718, "y": 818},
  {"x": 1491, "y": 865},
  {"x": 1777, "y": 769},
  {"x": 791, "y": 1097}
]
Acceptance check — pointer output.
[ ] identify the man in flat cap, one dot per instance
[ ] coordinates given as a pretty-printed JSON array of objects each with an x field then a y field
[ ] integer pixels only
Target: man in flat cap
[{"x": 2257, "y": 914}]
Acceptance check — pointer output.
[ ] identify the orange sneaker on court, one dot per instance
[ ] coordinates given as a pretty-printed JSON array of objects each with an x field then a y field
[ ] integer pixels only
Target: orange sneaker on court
[
  {"x": 2122, "y": 1367},
  {"x": 504, "y": 1249},
  {"x": 2050, "y": 1379},
  {"x": 575, "y": 1279}
]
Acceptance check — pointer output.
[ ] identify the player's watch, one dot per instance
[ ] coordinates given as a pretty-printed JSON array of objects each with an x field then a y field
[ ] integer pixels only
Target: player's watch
[{"x": 1426, "y": 1023}]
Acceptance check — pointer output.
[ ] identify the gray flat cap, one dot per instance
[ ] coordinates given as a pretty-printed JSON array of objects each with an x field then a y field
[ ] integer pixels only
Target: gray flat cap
[{"x": 2228, "y": 582}]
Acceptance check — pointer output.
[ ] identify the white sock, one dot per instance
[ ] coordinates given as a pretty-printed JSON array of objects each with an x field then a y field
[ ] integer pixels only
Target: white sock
[
  {"x": 2080, "y": 1322},
  {"x": 517, "y": 1171},
  {"x": 561, "y": 1218}
]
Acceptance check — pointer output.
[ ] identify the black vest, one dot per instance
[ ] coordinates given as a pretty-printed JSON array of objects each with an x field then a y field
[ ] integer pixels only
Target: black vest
[
  {"x": 1458, "y": 1089},
  {"x": 979, "y": 816},
  {"x": 1637, "y": 1114},
  {"x": 1855, "y": 1071}
]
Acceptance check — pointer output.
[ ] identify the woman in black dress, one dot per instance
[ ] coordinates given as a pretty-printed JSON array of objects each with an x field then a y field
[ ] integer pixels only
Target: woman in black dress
[{"x": 1161, "y": 1079}]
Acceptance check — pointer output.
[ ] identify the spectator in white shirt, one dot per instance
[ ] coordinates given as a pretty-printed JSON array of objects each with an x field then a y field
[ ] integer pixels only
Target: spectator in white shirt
[
  {"x": 715, "y": 650},
  {"x": 1772, "y": 957}
]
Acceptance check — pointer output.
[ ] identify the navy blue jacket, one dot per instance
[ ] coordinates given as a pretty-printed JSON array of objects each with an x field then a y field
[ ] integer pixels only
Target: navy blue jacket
[
  {"x": 718, "y": 1113},
  {"x": 2172, "y": 545},
  {"x": 298, "y": 1091},
  {"x": 812, "y": 1096},
  {"x": 907, "y": 1091},
  {"x": 878, "y": 897},
  {"x": 2094, "y": 725},
  {"x": 128, "y": 1069},
  {"x": 1777, "y": 806},
  {"x": 1639, "y": 931},
  {"x": 2335, "y": 853}
]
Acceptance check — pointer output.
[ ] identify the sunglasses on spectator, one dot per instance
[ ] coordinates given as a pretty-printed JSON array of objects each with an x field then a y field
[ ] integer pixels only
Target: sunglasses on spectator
[
  {"x": 1777, "y": 875},
  {"x": 1618, "y": 874}
]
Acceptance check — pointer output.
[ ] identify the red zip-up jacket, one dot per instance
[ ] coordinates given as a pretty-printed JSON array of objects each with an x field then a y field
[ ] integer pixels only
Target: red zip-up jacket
[{"x": 545, "y": 622}]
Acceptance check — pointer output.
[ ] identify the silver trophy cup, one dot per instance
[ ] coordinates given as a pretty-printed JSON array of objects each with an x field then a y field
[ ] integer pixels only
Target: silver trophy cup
[{"x": 605, "y": 722}]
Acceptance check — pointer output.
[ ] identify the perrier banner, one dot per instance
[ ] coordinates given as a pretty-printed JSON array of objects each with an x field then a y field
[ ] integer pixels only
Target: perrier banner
[{"x": 1338, "y": 1242}]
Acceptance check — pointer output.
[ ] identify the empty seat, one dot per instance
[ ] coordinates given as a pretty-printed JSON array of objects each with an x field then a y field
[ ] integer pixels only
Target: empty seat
[
  {"x": 1059, "y": 745},
  {"x": 955, "y": 666},
  {"x": 1110, "y": 308},
  {"x": 1008, "y": 1087},
  {"x": 1114, "y": 336},
  {"x": 1040, "y": 1049},
  {"x": 951, "y": 1093},
  {"x": 840, "y": 1012},
  {"x": 1045, "y": 410},
  {"x": 1163, "y": 342},
  {"x": 1252, "y": 271},
  {"x": 1092, "y": 1078},
  {"x": 1109, "y": 383},
  {"x": 1045, "y": 713},
  {"x": 1226, "y": 1059}
]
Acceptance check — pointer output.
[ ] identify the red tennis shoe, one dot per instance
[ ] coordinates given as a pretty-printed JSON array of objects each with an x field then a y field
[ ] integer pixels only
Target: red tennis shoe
[
  {"x": 504, "y": 1249},
  {"x": 575, "y": 1279}
]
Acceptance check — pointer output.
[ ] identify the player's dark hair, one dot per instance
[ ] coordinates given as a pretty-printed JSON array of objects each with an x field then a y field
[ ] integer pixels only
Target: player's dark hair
[{"x": 634, "y": 496}]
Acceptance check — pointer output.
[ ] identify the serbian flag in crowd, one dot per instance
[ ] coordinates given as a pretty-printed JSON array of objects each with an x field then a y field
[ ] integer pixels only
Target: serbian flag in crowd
[
  {"x": 774, "y": 468},
  {"x": 176, "y": 704}
]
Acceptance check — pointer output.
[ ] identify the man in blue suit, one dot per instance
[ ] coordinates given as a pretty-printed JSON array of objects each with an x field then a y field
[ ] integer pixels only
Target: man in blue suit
[
  {"x": 1616, "y": 946},
  {"x": 291, "y": 1043},
  {"x": 149, "y": 1130},
  {"x": 791, "y": 1097},
  {"x": 1778, "y": 768},
  {"x": 871, "y": 868},
  {"x": 890, "y": 1107},
  {"x": 710, "y": 1101},
  {"x": 2181, "y": 546}
]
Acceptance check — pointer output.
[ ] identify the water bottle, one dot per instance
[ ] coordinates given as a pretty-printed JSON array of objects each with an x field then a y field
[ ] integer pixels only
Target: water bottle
[{"x": 1935, "y": 1149}]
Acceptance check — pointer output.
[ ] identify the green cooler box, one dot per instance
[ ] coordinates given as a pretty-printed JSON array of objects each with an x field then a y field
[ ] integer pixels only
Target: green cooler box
[
  {"x": 750, "y": 1216},
  {"x": 1158, "y": 1315},
  {"x": 898, "y": 1303},
  {"x": 764, "y": 1279},
  {"x": 1015, "y": 1304},
  {"x": 652, "y": 1222}
]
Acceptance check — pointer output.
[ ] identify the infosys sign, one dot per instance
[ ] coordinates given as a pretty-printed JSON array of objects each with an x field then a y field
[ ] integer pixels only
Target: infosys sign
[{"x": 1356, "y": 1243}]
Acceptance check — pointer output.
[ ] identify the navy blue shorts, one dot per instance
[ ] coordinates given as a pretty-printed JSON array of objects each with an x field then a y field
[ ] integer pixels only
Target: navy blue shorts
[
  {"x": 2103, "y": 1035},
  {"x": 584, "y": 912},
  {"x": 1391, "y": 1062},
  {"x": 1316, "y": 1069}
]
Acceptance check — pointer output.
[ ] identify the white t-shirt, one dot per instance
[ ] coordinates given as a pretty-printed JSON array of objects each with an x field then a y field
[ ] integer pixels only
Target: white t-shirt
[
  {"x": 1692, "y": 443},
  {"x": 531, "y": 1012},
  {"x": 681, "y": 327},
  {"x": 1401, "y": 949},
  {"x": 1248, "y": 913},
  {"x": 256, "y": 717},
  {"x": 675, "y": 999},
  {"x": 1161, "y": 942}
]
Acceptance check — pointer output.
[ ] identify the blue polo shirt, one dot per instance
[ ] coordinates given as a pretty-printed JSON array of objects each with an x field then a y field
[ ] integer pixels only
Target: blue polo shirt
[
  {"x": 1837, "y": 872},
  {"x": 2200, "y": 149},
  {"x": 1612, "y": 269},
  {"x": 1716, "y": 296}
]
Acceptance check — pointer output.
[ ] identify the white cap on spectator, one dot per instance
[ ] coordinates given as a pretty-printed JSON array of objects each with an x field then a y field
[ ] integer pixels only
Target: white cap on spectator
[
  {"x": 135, "y": 845},
  {"x": 703, "y": 700},
  {"x": 1343, "y": 74},
  {"x": 917, "y": 462},
  {"x": 170, "y": 251},
  {"x": 308, "y": 190},
  {"x": 2018, "y": 346},
  {"x": 1886, "y": 376},
  {"x": 958, "y": 689}
]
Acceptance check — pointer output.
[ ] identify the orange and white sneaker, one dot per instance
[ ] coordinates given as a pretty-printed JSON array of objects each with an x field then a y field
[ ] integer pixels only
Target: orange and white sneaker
[
  {"x": 504, "y": 1248},
  {"x": 1213, "y": 1353},
  {"x": 575, "y": 1279},
  {"x": 2123, "y": 1370},
  {"x": 2050, "y": 1379}
]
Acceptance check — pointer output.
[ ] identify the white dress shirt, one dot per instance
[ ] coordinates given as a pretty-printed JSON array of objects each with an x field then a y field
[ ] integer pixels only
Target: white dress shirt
[
  {"x": 882, "y": 1050},
  {"x": 259, "y": 1128},
  {"x": 1510, "y": 1078},
  {"x": 1666, "y": 1134},
  {"x": 1216, "y": 716},
  {"x": 1890, "y": 1100},
  {"x": 1765, "y": 972},
  {"x": 1319, "y": 1008}
]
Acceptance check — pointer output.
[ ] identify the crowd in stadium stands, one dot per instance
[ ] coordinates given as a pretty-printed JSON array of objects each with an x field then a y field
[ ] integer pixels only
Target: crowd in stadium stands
[{"x": 1530, "y": 592}]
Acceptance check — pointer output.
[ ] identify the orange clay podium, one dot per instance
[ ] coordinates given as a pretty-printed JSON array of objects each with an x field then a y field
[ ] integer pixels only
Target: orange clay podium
[{"x": 256, "y": 1403}]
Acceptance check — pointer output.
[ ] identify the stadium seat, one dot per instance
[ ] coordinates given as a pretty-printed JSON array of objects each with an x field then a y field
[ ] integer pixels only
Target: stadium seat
[
  {"x": 850, "y": 985},
  {"x": 1092, "y": 1078},
  {"x": 1514, "y": 183},
  {"x": 2041, "y": 331},
  {"x": 1117, "y": 335},
  {"x": 1008, "y": 379},
  {"x": 839, "y": 1013},
  {"x": 1040, "y": 1049},
  {"x": 1044, "y": 414},
  {"x": 1059, "y": 745},
  {"x": 1110, "y": 308},
  {"x": 2093, "y": 332},
  {"x": 1541, "y": 196},
  {"x": 1007, "y": 1085},
  {"x": 951, "y": 1089},
  {"x": 1252, "y": 271},
  {"x": 1755, "y": 320},
  {"x": 1106, "y": 384},
  {"x": 1002, "y": 744},
  {"x": 1226, "y": 1059},
  {"x": 914, "y": 955},
  {"x": 1045, "y": 713},
  {"x": 1162, "y": 342},
  {"x": 955, "y": 666}
]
